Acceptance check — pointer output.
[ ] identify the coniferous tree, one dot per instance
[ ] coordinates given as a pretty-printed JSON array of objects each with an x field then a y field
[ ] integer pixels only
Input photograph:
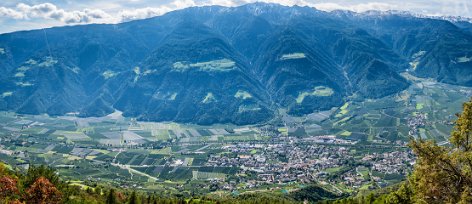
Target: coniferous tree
[
  {"x": 35, "y": 172},
  {"x": 111, "y": 197},
  {"x": 443, "y": 174},
  {"x": 133, "y": 199}
]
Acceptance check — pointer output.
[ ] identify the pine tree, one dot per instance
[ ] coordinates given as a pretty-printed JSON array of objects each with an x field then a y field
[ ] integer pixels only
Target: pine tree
[
  {"x": 403, "y": 195},
  {"x": 149, "y": 198},
  {"x": 133, "y": 199},
  {"x": 444, "y": 174},
  {"x": 35, "y": 172},
  {"x": 111, "y": 197}
]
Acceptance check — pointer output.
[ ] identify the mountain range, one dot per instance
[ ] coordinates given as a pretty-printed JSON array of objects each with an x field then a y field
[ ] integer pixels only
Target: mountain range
[{"x": 237, "y": 65}]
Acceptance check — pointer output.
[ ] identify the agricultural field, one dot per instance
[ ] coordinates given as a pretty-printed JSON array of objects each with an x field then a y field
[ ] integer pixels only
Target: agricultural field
[
  {"x": 319, "y": 91},
  {"x": 386, "y": 119},
  {"x": 166, "y": 156},
  {"x": 119, "y": 150},
  {"x": 210, "y": 66},
  {"x": 293, "y": 56}
]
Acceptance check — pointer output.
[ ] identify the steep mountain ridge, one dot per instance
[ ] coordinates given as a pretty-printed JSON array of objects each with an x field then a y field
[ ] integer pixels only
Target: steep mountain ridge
[
  {"x": 237, "y": 65},
  {"x": 435, "y": 48}
]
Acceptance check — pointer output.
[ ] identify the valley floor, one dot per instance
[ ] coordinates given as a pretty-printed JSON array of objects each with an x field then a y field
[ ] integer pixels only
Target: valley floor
[{"x": 353, "y": 148}]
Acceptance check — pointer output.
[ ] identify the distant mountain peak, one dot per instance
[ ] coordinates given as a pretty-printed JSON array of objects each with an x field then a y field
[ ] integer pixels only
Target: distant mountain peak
[{"x": 236, "y": 65}]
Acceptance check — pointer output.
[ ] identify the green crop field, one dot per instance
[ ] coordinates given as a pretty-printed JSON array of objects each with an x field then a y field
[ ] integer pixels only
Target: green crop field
[{"x": 198, "y": 175}]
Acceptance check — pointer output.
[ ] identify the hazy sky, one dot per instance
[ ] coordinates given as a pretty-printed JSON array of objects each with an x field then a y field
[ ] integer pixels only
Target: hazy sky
[{"x": 32, "y": 14}]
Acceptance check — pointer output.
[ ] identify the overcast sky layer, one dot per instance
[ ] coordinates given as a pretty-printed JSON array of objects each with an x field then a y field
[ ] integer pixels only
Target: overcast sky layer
[{"x": 18, "y": 15}]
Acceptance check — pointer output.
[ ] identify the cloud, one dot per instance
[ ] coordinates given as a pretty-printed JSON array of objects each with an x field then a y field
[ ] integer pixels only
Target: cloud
[
  {"x": 127, "y": 10},
  {"x": 141, "y": 13},
  {"x": 129, "y": 15},
  {"x": 11, "y": 13},
  {"x": 356, "y": 7},
  {"x": 51, "y": 11}
]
